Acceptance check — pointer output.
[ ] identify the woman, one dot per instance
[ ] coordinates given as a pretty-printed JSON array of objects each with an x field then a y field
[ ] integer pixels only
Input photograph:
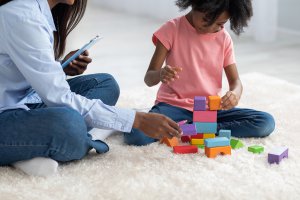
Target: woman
[{"x": 43, "y": 117}]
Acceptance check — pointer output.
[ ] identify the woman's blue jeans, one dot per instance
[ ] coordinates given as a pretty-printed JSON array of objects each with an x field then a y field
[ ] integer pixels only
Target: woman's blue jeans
[
  {"x": 59, "y": 133},
  {"x": 241, "y": 122}
]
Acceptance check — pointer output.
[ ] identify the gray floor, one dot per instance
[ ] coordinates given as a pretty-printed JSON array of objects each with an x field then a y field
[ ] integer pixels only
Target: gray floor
[{"x": 126, "y": 49}]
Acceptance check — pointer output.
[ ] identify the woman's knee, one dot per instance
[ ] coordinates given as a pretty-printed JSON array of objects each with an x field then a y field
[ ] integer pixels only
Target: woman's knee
[
  {"x": 70, "y": 138},
  {"x": 108, "y": 82}
]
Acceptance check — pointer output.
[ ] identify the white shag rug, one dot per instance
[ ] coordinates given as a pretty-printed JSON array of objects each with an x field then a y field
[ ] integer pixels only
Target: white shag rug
[{"x": 154, "y": 172}]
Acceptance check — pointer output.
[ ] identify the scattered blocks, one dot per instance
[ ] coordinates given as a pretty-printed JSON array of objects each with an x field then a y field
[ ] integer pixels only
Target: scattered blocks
[
  {"x": 209, "y": 135},
  {"x": 236, "y": 144},
  {"x": 206, "y": 127},
  {"x": 225, "y": 133},
  {"x": 185, "y": 139},
  {"x": 185, "y": 149},
  {"x": 197, "y": 141},
  {"x": 214, "y": 102},
  {"x": 214, "y": 151},
  {"x": 188, "y": 129},
  {"x": 170, "y": 142},
  {"x": 217, "y": 142},
  {"x": 277, "y": 154},
  {"x": 205, "y": 116},
  {"x": 199, "y": 103},
  {"x": 256, "y": 149}
]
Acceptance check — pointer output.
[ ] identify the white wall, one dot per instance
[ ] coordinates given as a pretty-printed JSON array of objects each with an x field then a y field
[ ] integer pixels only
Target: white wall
[{"x": 263, "y": 26}]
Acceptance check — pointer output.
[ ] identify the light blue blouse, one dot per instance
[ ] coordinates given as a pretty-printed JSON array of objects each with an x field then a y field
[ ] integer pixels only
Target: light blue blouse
[{"x": 29, "y": 72}]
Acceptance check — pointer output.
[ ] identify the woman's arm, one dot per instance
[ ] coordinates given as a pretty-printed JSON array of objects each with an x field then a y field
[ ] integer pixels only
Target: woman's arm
[{"x": 232, "y": 97}]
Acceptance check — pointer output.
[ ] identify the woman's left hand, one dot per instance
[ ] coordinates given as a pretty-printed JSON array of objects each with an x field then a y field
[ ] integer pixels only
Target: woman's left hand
[
  {"x": 229, "y": 100},
  {"x": 79, "y": 65}
]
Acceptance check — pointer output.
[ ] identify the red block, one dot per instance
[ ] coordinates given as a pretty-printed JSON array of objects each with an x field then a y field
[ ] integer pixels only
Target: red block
[
  {"x": 185, "y": 139},
  {"x": 198, "y": 136},
  {"x": 185, "y": 149},
  {"x": 205, "y": 116}
]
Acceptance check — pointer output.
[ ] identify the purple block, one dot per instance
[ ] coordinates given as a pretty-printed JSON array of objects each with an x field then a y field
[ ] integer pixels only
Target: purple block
[
  {"x": 188, "y": 129},
  {"x": 199, "y": 103},
  {"x": 277, "y": 154},
  {"x": 182, "y": 122}
]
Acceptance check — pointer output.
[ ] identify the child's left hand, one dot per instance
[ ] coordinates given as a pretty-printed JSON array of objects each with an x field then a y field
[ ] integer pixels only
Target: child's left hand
[{"x": 229, "y": 100}]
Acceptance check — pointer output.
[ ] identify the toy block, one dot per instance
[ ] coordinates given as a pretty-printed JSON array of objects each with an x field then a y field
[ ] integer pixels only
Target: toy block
[
  {"x": 198, "y": 136},
  {"x": 170, "y": 142},
  {"x": 217, "y": 142},
  {"x": 188, "y": 129},
  {"x": 199, "y": 103},
  {"x": 209, "y": 135},
  {"x": 256, "y": 149},
  {"x": 236, "y": 144},
  {"x": 214, "y": 102},
  {"x": 197, "y": 141},
  {"x": 277, "y": 154},
  {"x": 212, "y": 152},
  {"x": 182, "y": 122},
  {"x": 205, "y": 116},
  {"x": 201, "y": 146},
  {"x": 185, "y": 139},
  {"x": 185, "y": 149},
  {"x": 225, "y": 133},
  {"x": 206, "y": 127}
]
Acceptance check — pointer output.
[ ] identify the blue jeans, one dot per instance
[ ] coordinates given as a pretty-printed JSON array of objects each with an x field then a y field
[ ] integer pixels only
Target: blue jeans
[
  {"x": 241, "y": 122},
  {"x": 59, "y": 133}
]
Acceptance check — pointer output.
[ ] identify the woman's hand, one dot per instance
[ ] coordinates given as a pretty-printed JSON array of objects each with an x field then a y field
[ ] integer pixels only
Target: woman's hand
[
  {"x": 229, "y": 100},
  {"x": 156, "y": 125},
  {"x": 169, "y": 74},
  {"x": 79, "y": 65}
]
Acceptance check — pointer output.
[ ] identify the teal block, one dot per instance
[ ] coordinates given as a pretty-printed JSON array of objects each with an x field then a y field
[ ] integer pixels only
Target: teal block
[
  {"x": 217, "y": 142},
  {"x": 225, "y": 133},
  {"x": 206, "y": 127}
]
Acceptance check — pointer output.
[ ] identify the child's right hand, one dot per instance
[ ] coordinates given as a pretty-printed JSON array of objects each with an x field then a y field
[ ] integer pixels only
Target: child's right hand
[{"x": 169, "y": 74}]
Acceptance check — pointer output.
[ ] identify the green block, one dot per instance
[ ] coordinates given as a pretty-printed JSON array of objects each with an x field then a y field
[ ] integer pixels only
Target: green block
[
  {"x": 201, "y": 146},
  {"x": 236, "y": 144},
  {"x": 256, "y": 149}
]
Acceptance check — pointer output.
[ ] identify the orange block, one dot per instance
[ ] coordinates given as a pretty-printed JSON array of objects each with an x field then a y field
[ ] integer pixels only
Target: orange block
[
  {"x": 214, "y": 151},
  {"x": 214, "y": 102},
  {"x": 170, "y": 142}
]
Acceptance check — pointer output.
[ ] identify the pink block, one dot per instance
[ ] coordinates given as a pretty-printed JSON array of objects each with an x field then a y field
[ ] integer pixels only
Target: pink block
[{"x": 205, "y": 116}]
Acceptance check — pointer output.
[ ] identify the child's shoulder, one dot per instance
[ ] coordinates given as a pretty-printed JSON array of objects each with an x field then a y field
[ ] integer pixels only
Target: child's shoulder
[{"x": 174, "y": 22}]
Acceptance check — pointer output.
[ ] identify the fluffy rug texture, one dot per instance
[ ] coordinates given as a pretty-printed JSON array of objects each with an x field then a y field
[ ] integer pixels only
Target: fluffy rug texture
[{"x": 154, "y": 172}]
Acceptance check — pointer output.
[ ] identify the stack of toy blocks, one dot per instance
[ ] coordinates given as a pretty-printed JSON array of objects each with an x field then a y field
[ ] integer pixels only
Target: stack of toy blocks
[{"x": 206, "y": 124}]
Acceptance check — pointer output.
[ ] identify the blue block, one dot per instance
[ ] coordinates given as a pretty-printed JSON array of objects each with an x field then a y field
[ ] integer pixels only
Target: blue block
[
  {"x": 217, "y": 142},
  {"x": 206, "y": 127},
  {"x": 225, "y": 133}
]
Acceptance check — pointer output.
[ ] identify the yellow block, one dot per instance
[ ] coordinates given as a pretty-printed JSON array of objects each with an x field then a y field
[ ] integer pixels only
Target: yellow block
[
  {"x": 209, "y": 135},
  {"x": 197, "y": 141}
]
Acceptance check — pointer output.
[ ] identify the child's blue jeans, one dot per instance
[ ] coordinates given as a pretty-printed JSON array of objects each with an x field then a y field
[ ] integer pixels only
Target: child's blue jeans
[
  {"x": 241, "y": 122},
  {"x": 59, "y": 133}
]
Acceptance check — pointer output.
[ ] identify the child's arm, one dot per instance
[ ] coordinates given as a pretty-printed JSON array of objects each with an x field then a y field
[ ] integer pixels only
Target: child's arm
[
  {"x": 155, "y": 72},
  {"x": 232, "y": 97}
]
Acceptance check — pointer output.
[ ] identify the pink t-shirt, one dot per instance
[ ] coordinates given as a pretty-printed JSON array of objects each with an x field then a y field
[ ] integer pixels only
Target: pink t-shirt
[{"x": 202, "y": 58}]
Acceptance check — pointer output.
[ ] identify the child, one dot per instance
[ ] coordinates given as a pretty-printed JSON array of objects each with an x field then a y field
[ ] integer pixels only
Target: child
[{"x": 197, "y": 48}]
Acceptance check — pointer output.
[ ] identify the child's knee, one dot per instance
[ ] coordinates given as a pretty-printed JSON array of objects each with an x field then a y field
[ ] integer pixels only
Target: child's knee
[{"x": 267, "y": 126}]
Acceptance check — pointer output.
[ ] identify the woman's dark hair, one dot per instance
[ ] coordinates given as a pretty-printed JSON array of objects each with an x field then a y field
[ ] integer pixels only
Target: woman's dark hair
[
  {"x": 65, "y": 18},
  {"x": 240, "y": 11}
]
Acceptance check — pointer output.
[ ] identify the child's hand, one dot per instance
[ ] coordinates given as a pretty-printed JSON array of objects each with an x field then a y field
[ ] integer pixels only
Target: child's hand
[
  {"x": 168, "y": 74},
  {"x": 229, "y": 100}
]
